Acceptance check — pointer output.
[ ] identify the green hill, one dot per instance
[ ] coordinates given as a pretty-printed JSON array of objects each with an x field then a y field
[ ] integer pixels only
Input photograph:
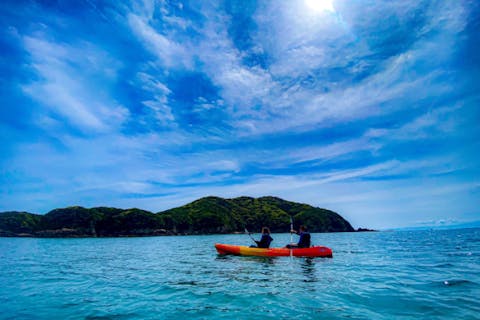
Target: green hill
[{"x": 209, "y": 215}]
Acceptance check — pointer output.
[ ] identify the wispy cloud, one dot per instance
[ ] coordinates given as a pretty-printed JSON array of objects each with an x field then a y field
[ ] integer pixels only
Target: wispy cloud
[
  {"x": 64, "y": 84},
  {"x": 169, "y": 53}
]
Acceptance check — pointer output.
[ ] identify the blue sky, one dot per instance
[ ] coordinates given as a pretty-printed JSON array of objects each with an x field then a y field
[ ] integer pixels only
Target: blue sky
[{"x": 369, "y": 108}]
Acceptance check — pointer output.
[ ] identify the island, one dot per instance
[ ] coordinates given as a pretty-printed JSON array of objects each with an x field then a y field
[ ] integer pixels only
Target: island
[{"x": 208, "y": 215}]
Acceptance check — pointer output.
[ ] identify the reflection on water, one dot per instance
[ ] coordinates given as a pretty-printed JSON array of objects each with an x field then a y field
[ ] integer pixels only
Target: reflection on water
[
  {"x": 266, "y": 260},
  {"x": 308, "y": 269}
]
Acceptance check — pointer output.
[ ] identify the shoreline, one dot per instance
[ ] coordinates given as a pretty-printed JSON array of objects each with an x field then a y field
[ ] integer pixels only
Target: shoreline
[{"x": 55, "y": 234}]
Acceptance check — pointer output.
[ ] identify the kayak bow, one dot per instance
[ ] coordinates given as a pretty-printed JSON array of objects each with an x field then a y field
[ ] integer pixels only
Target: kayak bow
[{"x": 317, "y": 251}]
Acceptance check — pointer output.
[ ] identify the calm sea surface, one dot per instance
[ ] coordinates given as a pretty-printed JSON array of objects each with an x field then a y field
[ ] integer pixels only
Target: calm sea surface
[{"x": 383, "y": 275}]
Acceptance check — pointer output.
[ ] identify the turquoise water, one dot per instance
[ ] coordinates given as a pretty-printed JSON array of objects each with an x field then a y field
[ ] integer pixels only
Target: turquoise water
[{"x": 384, "y": 275}]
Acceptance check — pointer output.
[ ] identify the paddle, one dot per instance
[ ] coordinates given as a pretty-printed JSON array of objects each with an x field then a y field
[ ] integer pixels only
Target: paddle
[
  {"x": 246, "y": 231},
  {"x": 291, "y": 228},
  {"x": 291, "y": 236}
]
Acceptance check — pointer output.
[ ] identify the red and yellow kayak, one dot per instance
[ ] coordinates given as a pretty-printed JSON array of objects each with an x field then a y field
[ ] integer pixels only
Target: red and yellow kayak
[{"x": 318, "y": 251}]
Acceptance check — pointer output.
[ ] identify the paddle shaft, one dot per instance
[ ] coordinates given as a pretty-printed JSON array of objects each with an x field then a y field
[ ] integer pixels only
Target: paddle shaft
[
  {"x": 291, "y": 235},
  {"x": 250, "y": 235},
  {"x": 291, "y": 228}
]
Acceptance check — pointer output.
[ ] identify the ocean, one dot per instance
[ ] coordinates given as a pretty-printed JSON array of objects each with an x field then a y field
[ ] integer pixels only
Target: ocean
[{"x": 432, "y": 274}]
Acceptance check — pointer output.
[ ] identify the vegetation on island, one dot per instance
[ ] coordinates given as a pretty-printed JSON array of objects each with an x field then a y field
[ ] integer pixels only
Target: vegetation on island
[{"x": 209, "y": 215}]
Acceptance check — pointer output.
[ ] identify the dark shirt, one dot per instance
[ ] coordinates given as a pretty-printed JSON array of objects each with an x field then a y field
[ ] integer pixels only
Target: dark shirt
[
  {"x": 264, "y": 241},
  {"x": 304, "y": 241}
]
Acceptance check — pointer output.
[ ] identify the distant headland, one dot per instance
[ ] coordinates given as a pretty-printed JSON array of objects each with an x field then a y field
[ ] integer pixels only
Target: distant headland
[{"x": 209, "y": 215}]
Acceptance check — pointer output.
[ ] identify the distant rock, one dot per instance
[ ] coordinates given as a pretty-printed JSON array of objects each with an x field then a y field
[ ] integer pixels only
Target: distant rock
[{"x": 365, "y": 230}]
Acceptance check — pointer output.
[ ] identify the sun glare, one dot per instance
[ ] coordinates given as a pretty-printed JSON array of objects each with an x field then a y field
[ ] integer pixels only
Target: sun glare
[{"x": 320, "y": 5}]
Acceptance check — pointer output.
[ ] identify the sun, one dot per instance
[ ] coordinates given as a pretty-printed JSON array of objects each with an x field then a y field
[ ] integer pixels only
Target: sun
[{"x": 320, "y": 5}]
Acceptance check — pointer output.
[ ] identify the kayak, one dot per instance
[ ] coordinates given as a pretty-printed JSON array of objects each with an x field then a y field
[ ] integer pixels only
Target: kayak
[{"x": 317, "y": 251}]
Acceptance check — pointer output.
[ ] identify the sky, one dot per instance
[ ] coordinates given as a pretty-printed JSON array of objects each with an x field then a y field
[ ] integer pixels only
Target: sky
[{"x": 369, "y": 108}]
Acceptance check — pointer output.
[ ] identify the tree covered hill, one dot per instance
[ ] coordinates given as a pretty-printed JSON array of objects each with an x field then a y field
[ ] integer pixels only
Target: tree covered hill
[{"x": 207, "y": 215}]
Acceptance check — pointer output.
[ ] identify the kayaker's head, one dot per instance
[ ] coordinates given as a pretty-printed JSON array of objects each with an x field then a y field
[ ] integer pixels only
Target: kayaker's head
[
  {"x": 265, "y": 230},
  {"x": 303, "y": 228}
]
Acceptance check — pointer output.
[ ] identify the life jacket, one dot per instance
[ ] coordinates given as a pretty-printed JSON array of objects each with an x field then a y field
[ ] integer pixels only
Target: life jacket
[
  {"x": 265, "y": 241},
  {"x": 304, "y": 241}
]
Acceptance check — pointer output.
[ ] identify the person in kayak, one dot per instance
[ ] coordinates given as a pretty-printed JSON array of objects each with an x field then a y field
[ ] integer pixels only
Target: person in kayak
[
  {"x": 304, "y": 241},
  {"x": 265, "y": 240}
]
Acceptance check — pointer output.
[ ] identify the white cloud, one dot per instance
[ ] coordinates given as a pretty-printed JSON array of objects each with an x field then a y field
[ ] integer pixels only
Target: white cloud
[
  {"x": 310, "y": 46},
  {"x": 170, "y": 53},
  {"x": 161, "y": 112},
  {"x": 430, "y": 125},
  {"x": 242, "y": 89},
  {"x": 65, "y": 86},
  {"x": 262, "y": 101}
]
